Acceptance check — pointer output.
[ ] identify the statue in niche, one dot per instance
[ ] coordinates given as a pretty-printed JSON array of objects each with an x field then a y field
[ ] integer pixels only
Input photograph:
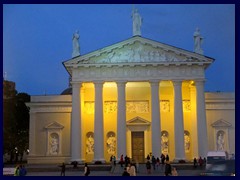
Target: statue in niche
[
  {"x": 220, "y": 142},
  {"x": 76, "y": 46},
  {"x": 137, "y": 23},
  {"x": 164, "y": 143},
  {"x": 186, "y": 142},
  {"x": 111, "y": 144},
  {"x": 90, "y": 145},
  {"x": 198, "y": 40},
  {"x": 54, "y": 145}
]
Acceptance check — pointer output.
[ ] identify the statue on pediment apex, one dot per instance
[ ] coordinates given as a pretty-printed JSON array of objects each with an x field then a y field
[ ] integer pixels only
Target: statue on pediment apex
[
  {"x": 76, "y": 46},
  {"x": 137, "y": 23}
]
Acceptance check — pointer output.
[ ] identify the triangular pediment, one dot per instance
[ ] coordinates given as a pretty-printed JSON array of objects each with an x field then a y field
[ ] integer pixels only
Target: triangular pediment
[
  {"x": 54, "y": 125},
  {"x": 221, "y": 123},
  {"x": 138, "y": 50},
  {"x": 138, "y": 121}
]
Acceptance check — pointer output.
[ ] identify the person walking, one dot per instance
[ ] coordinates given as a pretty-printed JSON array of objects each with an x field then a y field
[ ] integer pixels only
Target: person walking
[
  {"x": 148, "y": 166},
  {"x": 195, "y": 162},
  {"x": 63, "y": 167},
  {"x": 132, "y": 170},
  {"x": 86, "y": 170},
  {"x": 125, "y": 173},
  {"x": 121, "y": 160},
  {"x": 113, "y": 164},
  {"x": 158, "y": 162},
  {"x": 17, "y": 171},
  {"x": 167, "y": 157},
  {"x": 174, "y": 172},
  {"x": 154, "y": 162},
  {"x": 22, "y": 170},
  {"x": 168, "y": 169}
]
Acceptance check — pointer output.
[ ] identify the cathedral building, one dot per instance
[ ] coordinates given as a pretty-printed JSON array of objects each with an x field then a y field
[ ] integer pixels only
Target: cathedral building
[{"x": 134, "y": 98}]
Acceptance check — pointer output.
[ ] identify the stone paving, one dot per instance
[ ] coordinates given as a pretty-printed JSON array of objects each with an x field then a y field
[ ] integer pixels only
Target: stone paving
[{"x": 117, "y": 172}]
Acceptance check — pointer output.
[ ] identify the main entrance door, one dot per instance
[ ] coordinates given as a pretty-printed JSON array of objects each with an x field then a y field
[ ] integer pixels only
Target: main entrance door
[{"x": 138, "y": 146}]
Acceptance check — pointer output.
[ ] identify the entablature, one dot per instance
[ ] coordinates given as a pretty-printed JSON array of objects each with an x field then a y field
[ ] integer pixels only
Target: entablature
[{"x": 138, "y": 73}]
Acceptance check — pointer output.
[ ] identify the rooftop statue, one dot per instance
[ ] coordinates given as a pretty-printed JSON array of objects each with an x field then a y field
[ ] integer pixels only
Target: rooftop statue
[
  {"x": 137, "y": 23},
  {"x": 198, "y": 40},
  {"x": 76, "y": 46}
]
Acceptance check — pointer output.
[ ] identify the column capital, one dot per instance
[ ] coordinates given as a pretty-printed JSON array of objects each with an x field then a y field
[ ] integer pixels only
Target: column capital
[
  {"x": 98, "y": 84},
  {"x": 121, "y": 83},
  {"x": 200, "y": 82},
  {"x": 76, "y": 84},
  {"x": 154, "y": 82},
  {"x": 177, "y": 82}
]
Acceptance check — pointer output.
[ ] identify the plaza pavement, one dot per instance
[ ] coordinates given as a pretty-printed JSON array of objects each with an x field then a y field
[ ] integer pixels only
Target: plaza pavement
[{"x": 117, "y": 172}]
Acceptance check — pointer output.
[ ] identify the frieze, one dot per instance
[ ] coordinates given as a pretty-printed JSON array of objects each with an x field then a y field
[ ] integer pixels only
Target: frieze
[
  {"x": 51, "y": 109},
  {"x": 139, "y": 72},
  {"x": 111, "y": 107},
  {"x": 220, "y": 106},
  {"x": 137, "y": 106}
]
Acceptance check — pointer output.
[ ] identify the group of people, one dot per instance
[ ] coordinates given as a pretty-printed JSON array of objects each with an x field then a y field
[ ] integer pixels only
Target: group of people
[
  {"x": 86, "y": 169},
  {"x": 168, "y": 170},
  {"x": 201, "y": 161},
  {"x": 20, "y": 170},
  {"x": 130, "y": 170}
]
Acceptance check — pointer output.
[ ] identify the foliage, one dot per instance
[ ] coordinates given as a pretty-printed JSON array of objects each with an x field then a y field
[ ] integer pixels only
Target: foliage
[{"x": 15, "y": 121}]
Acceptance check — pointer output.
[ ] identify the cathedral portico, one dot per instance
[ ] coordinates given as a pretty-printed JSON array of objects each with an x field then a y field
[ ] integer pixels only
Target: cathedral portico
[{"x": 132, "y": 98}]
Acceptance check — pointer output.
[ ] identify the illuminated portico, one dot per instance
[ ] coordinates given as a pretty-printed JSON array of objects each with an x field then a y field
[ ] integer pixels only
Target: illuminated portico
[
  {"x": 132, "y": 98},
  {"x": 152, "y": 64}
]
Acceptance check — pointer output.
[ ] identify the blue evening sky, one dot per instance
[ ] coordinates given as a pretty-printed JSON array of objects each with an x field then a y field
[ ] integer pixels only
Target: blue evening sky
[{"x": 38, "y": 38}]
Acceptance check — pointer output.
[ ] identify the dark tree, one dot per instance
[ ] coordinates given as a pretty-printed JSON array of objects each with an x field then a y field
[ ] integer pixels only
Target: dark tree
[
  {"x": 22, "y": 122},
  {"x": 9, "y": 119},
  {"x": 15, "y": 122}
]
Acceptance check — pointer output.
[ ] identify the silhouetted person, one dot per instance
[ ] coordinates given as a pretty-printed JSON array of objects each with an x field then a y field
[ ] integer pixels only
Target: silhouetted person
[
  {"x": 168, "y": 169},
  {"x": 63, "y": 167},
  {"x": 195, "y": 162},
  {"x": 86, "y": 170},
  {"x": 125, "y": 173}
]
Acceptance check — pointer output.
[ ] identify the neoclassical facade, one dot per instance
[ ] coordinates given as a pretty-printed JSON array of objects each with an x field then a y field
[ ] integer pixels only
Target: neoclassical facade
[{"x": 135, "y": 97}]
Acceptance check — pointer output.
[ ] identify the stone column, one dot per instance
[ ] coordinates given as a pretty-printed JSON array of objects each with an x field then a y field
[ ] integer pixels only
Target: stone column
[
  {"x": 194, "y": 135},
  {"x": 156, "y": 125},
  {"x": 98, "y": 123},
  {"x": 178, "y": 121},
  {"x": 121, "y": 120},
  {"x": 76, "y": 135},
  {"x": 32, "y": 134},
  {"x": 201, "y": 119}
]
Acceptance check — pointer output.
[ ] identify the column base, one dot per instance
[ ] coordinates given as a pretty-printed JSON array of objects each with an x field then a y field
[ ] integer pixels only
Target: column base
[
  {"x": 100, "y": 161},
  {"x": 176, "y": 160},
  {"x": 79, "y": 161}
]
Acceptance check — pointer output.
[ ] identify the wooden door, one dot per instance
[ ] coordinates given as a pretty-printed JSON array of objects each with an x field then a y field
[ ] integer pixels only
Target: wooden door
[{"x": 138, "y": 146}]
